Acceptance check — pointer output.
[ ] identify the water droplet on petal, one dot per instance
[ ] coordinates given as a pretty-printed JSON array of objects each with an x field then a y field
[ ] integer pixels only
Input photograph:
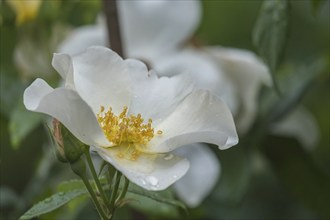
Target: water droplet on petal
[
  {"x": 175, "y": 176},
  {"x": 61, "y": 193},
  {"x": 152, "y": 180},
  {"x": 168, "y": 156}
]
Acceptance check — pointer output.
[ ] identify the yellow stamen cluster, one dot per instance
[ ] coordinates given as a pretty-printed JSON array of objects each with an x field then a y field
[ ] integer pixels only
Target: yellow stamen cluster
[{"x": 129, "y": 131}]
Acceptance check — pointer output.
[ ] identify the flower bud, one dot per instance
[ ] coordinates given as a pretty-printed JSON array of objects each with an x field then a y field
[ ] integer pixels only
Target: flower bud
[
  {"x": 58, "y": 139},
  {"x": 69, "y": 148}
]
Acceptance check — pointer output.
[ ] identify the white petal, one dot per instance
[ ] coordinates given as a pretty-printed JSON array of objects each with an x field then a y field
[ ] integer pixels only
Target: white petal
[
  {"x": 201, "y": 117},
  {"x": 248, "y": 74},
  {"x": 84, "y": 37},
  {"x": 65, "y": 105},
  {"x": 202, "y": 175},
  {"x": 150, "y": 171},
  {"x": 301, "y": 125},
  {"x": 64, "y": 66},
  {"x": 156, "y": 97},
  {"x": 102, "y": 78},
  {"x": 154, "y": 28},
  {"x": 205, "y": 71}
]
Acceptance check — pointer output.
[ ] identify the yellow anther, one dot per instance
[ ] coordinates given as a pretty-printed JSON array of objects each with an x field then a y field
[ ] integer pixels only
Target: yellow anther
[
  {"x": 159, "y": 132},
  {"x": 126, "y": 130}
]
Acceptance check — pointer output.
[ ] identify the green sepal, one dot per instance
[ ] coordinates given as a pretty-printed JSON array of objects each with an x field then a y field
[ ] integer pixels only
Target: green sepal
[
  {"x": 73, "y": 148},
  {"x": 79, "y": 168}
]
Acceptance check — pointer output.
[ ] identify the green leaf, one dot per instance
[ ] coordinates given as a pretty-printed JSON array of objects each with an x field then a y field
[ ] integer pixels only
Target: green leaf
[
  {"x": 270, "y": 32},
  {"x": 77, "y": 184},
  {"x": 295, "y": 86},
  {"x": 70, "y": 185},
  {"x": 77, "y": 205},
  {"x": 235, "y": 176},
  {"x": 11, "y": 90},
  {"x": 160, "y": 203},
  {"x": 21, "y": 123},
  {"x": 297, "y": 171},
  {"x": 51, "y": 203}
]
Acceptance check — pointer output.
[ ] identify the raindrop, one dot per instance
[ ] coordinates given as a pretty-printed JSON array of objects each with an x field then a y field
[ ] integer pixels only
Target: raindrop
[
  {"x": 168, "y": 156},
  {"x": 152, "y": 180},
  {"x": 175, "y": 176},
  {"x": 61, "y": 193}
]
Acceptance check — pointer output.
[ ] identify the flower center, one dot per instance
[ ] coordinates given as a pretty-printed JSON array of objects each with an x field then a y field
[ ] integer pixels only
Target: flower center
[{"x": 128, "y": 131}]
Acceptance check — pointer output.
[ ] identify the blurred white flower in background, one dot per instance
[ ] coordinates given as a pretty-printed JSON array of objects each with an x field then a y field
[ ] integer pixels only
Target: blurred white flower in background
[
  {"x": 299, "y": 124},
  {"x": 157, "y": 33}
]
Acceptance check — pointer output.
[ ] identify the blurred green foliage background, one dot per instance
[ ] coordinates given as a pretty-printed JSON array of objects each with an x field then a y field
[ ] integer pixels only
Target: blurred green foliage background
[{"x": 275, "y": 178}]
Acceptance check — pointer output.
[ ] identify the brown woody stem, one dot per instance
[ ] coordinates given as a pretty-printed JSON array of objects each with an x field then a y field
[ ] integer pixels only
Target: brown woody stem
[{"x": 112, "y": 18}]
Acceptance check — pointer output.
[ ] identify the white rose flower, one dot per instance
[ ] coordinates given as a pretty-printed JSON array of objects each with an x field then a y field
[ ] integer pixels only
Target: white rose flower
[{"x": 132, "y": 118}]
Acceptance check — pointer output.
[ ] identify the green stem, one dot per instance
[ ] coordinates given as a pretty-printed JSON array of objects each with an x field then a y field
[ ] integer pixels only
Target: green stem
[
  {"x": 111, "y": 174},
  {"x": 124, "y": 190},
  {"x": 104, "y": 164},
  {"x": 94, "y": 198},
  {"x": 95, "y": 176},
  {"x": 114, "y": 192},
  {"x": 79, "y": 168}
]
